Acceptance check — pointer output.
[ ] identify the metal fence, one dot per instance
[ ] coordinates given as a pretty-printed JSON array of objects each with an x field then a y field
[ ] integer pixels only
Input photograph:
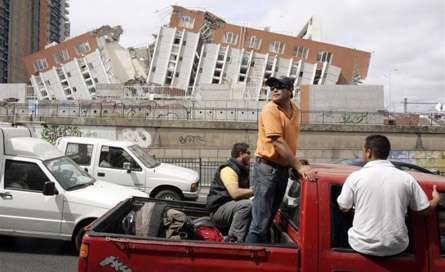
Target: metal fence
[
  {"x": 189, "y": 110},
  {"x": 205, "y": 167}
]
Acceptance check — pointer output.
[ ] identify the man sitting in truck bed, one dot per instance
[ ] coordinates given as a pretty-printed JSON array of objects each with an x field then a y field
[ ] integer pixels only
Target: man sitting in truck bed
[
  {"x": 228, "y": 199},
  {"x": 381, "y": 194}
]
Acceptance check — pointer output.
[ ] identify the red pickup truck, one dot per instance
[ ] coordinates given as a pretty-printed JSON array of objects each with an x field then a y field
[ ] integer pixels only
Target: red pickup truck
[{"x": 309, "y": 234}]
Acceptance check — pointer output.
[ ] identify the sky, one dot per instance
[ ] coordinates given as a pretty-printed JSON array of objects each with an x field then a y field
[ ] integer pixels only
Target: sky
[{"x": 406, "y": 38}]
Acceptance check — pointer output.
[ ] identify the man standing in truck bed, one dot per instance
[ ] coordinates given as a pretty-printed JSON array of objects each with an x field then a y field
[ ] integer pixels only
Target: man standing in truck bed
[{"x": 278, "y": 130}]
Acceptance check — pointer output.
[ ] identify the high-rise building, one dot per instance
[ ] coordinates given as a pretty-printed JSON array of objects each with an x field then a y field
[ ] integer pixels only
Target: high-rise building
[
  {"x": 72, "y": 69},
  {"x": 199, "y": 50},
  {"x": 25, "y": 27}
]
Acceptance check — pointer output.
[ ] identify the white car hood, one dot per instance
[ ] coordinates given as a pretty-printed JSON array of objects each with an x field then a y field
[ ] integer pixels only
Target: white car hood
[
  {"x": 170, "y": 171},
  {"x": 102, "y": 194}
]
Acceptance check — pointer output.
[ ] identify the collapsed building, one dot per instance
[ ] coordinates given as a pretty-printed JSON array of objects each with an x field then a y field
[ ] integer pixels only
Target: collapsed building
[
  {"x": 200, "y": 53},
  {"x": 73, "y": 69}
]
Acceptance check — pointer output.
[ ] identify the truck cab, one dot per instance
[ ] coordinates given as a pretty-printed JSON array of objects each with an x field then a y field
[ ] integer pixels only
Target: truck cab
[
  {"x": 309, "y": 234},
  {"x": 44, "y": 193},
  {"x": 127, "y": 164}
]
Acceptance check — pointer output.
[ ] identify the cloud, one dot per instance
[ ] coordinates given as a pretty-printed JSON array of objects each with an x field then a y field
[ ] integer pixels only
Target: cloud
[{"x": 405, "y": 35}]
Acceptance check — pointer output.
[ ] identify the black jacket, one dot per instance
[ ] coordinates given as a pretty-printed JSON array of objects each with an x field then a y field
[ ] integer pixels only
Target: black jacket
[{"x": 218, "y": 194}]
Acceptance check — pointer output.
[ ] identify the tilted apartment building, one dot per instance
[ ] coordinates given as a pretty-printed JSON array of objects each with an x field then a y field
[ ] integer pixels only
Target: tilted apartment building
[
  {"x": 71, "y": 70},
  {"x": 200, "y": 51}
]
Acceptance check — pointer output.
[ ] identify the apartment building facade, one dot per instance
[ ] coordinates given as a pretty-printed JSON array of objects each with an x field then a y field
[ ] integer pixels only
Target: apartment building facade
[
  {"x": 199, "y": 50},
  {"x": 71, "y": 70},
  {"x": 25, "y": 27}
]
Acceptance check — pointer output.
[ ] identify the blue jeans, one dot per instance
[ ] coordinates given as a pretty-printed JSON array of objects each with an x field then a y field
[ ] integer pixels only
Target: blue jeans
[{"x": 269, "y": 185}]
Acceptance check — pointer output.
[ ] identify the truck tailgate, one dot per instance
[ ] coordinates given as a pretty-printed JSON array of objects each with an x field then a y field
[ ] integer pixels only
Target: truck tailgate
[{"x": 125, "y": 254}]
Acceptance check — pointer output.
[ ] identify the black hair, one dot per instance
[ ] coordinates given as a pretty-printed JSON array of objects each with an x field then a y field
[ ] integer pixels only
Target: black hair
[
  {"x": 379, "y": 146},
  {"x": 239, "y": 148}
]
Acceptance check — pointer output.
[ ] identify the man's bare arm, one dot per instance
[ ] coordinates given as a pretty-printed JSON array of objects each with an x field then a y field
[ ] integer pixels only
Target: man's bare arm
[
  {"x": 433, "y": 202},
  {"x": 237, "y": 193},
  {"x": 284, "y": 150}
]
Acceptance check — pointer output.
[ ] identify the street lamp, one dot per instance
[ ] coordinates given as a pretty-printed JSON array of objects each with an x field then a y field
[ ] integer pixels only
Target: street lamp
[{"x": 388, "y": 76}]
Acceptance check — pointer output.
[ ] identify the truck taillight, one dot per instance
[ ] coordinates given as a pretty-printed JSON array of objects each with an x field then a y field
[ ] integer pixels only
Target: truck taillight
[
  {"x": 83, "y": 253},
  {"x": 83, "y": 258}
]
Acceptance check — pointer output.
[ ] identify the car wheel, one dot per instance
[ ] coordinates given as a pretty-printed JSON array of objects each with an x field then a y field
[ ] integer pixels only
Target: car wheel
[
  {"x": 78, "y": 238},
  {"x": 168, "y": 195}
]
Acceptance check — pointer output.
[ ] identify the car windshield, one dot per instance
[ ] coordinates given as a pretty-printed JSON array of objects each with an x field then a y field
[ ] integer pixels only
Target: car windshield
[
  {"x": 68, "y": 174},
  {"x": 147, "y": 159}
]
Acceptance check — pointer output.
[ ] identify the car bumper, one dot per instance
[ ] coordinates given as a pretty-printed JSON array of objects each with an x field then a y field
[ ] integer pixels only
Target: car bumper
[{"x": 191, "y": 195}]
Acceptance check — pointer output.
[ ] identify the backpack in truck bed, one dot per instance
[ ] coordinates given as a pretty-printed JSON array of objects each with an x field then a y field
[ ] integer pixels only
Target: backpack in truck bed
[{"x": 146, "y": 220}]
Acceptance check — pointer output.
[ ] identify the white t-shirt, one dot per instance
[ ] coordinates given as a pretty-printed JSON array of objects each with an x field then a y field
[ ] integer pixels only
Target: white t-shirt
[{"x": 381, "y": 195}]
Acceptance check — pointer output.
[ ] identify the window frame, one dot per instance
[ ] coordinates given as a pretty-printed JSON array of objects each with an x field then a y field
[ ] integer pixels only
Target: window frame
[
  {"x": 277, "y": 47},
  {"x": 89, "y": 147},
  {"x": 40, "y": 64},
  {"x": 324, "y": 56},
  {"x": 410, "y": 251},
  {"x": 187, "y": 21},
  {"x": 133, "y": 161},
  {"x": 61, "y": 56},
  {"x": 83, "y": 48},
  {"x": 292, "y": 216},
  {"x": 22, "y": 162},
  {"x": 230, "y": 37},
  {"x": 255, "y": 42}
]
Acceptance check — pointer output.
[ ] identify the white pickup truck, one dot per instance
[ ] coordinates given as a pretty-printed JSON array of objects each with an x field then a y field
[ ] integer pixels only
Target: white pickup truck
[
  {"x": 128, "y": 164},
  {"x": 45, "y": 194}
]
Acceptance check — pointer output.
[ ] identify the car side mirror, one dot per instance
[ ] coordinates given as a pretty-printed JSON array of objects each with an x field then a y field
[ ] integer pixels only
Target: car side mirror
[
  {"x": 127, "y": 166},
  {"x": 49, "y": 188}
]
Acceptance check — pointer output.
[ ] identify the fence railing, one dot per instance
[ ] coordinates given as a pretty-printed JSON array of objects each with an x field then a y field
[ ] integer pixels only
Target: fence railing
[
  {"x": 205, "y": 167},
  {"x": 186, "y": 110}
]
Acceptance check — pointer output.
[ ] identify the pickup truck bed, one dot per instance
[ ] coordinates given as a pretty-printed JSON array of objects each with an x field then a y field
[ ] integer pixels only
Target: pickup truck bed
[{"x": 110, "y": 249}]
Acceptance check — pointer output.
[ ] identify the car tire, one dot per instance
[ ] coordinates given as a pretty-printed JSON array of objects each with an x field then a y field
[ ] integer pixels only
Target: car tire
[
  {"x": 168, "y": 195},
  {"x": 78, "y": 238}
]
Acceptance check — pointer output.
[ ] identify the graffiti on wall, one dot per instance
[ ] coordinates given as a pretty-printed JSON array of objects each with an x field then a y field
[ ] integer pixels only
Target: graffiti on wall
[
  {"x": 192, "y": 140},
  {"x": 139, "y": 135},
  {"x": 353, "y": 117},
  {"x": 52, "y": 132}
]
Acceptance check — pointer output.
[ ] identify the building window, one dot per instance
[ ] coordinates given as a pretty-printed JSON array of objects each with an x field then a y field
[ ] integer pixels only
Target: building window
[
  {"x": 61, "y": 56},
  {"x": 301, "y": 52},
  {"x": 324, "y": 56},
  {"x": 276, "y": 47},
  {"x": 254, "y": 43},
  {"x": 187, "y": 21},
  {"x": 83, "y": 48},
  {"x": 40, "y": 65},
  {"x": 230, "y": 38}
]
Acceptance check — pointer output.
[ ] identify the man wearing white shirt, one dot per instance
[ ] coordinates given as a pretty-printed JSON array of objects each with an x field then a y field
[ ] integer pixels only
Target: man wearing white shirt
[{"x": 381, "y": 195}]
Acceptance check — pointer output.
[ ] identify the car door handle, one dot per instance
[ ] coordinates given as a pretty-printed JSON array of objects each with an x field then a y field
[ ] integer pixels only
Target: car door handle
[
  {"x": 6, "y": 195},
  {"x": 86, "y": 169},
  {"x": 100, "y": 174}
]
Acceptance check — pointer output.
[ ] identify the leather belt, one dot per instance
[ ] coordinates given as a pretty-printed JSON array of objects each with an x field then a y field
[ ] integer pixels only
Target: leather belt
[{"x": 270, "y": 163}]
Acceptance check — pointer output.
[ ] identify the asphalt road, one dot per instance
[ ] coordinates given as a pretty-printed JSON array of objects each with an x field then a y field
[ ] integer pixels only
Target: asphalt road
[{"x": 36, "y": 255}]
